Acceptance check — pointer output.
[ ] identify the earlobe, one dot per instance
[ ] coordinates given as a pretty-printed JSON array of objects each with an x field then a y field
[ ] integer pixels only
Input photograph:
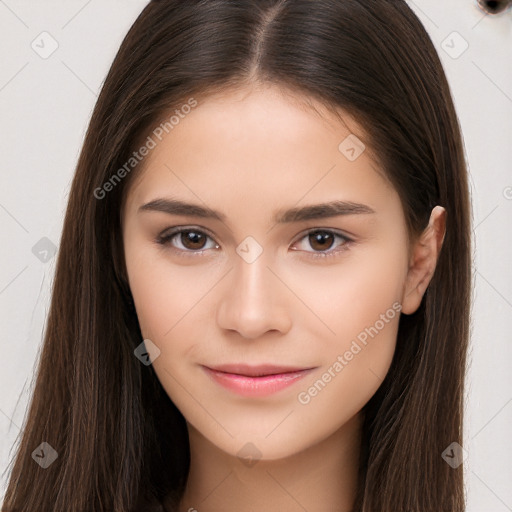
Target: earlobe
[{"x": 424, "y": 260}]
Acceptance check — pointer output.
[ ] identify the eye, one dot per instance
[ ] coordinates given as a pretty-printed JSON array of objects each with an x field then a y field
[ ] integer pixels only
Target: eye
[
  {"x": 322, "y": 239},
  {"x": 189, "y": 240},
  {"x": 192, "y": 241}
]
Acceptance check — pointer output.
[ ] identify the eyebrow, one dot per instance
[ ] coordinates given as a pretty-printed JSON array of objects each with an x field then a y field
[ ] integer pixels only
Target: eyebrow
[{"x": 298, "y": 214}]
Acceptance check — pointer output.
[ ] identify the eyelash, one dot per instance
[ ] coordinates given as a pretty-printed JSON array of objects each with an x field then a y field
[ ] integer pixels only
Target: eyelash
[{"x": 166, "y": 239}]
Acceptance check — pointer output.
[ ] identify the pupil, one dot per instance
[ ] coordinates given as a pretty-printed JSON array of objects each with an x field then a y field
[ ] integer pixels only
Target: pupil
[
  {"x": 193, "y": 238},
  {"x": 320, "y": 238}
]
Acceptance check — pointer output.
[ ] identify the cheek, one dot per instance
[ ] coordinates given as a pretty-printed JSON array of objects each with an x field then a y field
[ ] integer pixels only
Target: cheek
[
  {"x": 360, "y": 311},
  {"x": 163, "y": 292},
  {"x": 345, "y": 298}
]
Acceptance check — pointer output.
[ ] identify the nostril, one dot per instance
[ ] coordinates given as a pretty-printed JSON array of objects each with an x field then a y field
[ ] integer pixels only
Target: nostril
[{"x": 494, "y": 6}]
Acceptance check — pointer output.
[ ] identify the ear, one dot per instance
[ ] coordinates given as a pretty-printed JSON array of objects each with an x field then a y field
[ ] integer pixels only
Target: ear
[{"x": 423, "y": 260}]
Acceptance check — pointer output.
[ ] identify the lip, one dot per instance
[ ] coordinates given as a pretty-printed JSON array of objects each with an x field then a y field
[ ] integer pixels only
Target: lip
[
  {"x": 259, "y": 370},
  {"x": 256, "y": 381}
]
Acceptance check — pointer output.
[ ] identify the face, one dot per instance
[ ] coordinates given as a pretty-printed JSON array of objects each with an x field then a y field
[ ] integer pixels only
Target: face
[{"x": 315, "y": 292}]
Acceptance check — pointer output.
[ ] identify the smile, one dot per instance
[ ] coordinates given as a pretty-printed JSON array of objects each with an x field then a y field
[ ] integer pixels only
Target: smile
[{"x": 256, "y": 385}]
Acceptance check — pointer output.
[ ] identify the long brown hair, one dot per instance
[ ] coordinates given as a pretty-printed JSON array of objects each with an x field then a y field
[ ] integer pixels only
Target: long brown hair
[{"x": 121, "y": 443}]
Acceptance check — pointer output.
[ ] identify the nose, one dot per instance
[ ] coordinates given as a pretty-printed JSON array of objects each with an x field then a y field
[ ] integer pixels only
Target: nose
[{"x": 254, "y": 300}]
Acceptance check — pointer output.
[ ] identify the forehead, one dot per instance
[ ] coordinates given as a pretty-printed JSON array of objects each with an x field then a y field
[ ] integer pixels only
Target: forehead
[
  {"x": 258, "y": 143},
  {"x": 270, "y": 113}
]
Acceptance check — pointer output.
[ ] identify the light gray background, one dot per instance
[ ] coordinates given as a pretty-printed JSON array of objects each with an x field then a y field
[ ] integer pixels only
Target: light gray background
[{"x": 45, "y": 105}]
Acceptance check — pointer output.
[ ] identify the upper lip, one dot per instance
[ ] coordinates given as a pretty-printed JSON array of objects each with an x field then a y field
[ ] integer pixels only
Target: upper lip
[{"x": 255, "y": 371}]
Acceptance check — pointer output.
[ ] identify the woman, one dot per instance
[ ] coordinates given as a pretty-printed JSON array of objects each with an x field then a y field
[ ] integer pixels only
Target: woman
[{"x": 209, "y": 345}]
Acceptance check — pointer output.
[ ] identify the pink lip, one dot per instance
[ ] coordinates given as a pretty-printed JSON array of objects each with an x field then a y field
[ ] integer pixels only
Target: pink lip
[{"x": 256, "y": 381}]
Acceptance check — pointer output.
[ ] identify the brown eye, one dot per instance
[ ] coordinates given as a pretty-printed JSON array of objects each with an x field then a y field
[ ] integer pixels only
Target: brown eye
[
  {"x": 187, "y": 241},
  {"x": 192, "y": 240},
  {"x": 321, "y": 240}
]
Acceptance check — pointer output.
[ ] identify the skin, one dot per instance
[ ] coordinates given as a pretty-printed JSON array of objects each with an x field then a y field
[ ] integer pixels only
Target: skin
[{"x": 248, "y": 154}]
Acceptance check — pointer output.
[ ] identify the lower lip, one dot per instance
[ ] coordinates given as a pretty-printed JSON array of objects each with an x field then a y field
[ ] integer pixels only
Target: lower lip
[{"x": 256, "y": 386}]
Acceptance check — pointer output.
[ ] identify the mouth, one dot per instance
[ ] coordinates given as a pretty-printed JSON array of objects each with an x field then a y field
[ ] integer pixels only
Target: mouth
[{"x": 256, "y": 381}]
